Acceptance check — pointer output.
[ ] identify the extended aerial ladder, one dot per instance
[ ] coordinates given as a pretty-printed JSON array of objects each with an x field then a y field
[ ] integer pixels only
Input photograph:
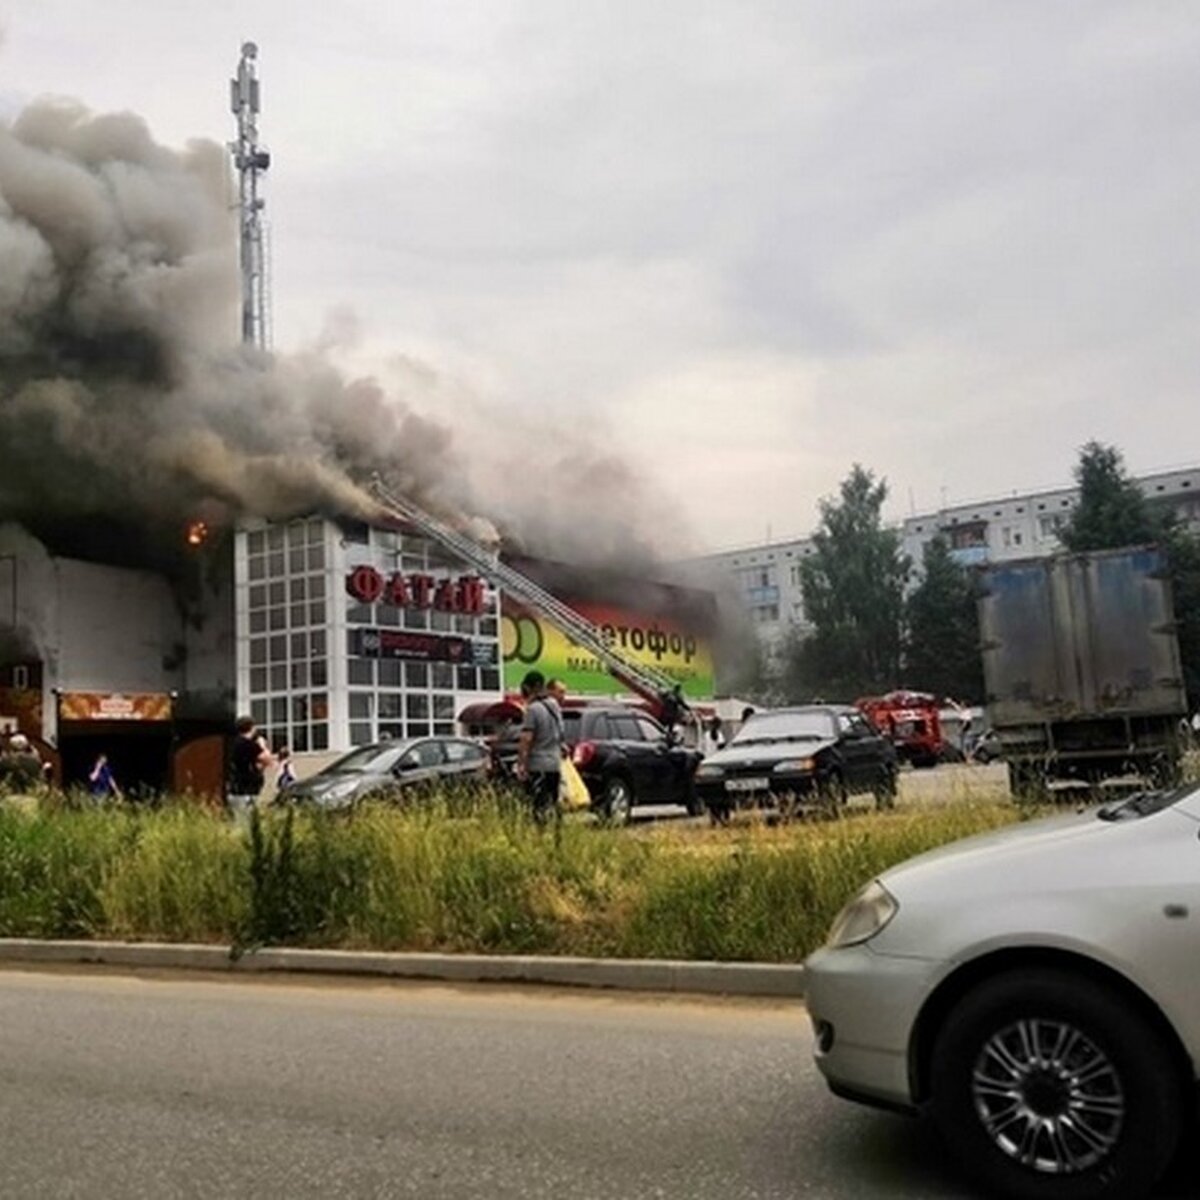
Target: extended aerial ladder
[{"x": 656, "y": 687}]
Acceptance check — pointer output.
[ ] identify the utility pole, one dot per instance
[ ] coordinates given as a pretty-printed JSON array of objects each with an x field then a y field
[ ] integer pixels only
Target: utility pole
[{"x": 251, "y": 161}]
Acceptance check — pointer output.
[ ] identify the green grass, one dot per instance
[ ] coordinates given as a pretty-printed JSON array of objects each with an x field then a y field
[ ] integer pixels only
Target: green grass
[{"x": 485, "y": 881}]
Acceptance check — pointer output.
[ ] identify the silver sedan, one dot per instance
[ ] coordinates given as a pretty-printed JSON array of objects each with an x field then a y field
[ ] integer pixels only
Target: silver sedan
[{"x": 1036, "y": 992}]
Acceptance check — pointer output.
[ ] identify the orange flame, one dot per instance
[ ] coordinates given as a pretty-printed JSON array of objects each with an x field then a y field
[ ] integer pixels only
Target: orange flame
[{"x": 197, "y": 533}]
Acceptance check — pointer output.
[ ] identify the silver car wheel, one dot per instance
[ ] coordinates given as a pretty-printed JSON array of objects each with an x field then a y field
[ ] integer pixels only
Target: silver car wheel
[{"x": 1048, "y": 1097}]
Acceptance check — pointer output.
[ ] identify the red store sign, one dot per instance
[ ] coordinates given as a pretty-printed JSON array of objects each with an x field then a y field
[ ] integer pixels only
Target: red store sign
[{"x": 466, "y": 594}]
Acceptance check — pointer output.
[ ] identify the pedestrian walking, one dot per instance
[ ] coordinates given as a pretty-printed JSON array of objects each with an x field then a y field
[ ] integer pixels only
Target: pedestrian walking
[
  {"x": 556, "y": 691},
  {"x": 102, "y": 784},
  {"x": 540, "y": 748},
  {"x": 287, "y": 775},
  {"x": 249, "y": 760}
]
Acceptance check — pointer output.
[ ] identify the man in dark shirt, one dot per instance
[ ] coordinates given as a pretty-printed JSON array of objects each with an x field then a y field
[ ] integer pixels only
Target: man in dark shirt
[{"x": 249, "y": 759}]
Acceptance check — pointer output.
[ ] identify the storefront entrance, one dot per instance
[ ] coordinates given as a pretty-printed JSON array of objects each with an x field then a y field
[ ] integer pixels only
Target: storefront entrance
[
  {"x": 139, "y": 753},
  {"x": 134, "y": 730}
]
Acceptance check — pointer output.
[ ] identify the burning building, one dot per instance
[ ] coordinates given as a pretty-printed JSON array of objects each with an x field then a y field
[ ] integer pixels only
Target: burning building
[
  {"x": 99, "y": 657},
  {"x": 349, "y": 632},
  {"x": 330, "y": 633},
  {"x": 183, "y": 537}
]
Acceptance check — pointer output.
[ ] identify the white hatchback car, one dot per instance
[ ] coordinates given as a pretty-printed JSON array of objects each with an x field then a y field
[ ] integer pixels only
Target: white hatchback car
[{"x": 1036, "y": 991}]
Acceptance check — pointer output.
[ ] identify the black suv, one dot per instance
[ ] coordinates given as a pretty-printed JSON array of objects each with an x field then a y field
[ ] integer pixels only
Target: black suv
[
  {"x": 793, "y": 758},
  {"x": 624, "y": 756}
]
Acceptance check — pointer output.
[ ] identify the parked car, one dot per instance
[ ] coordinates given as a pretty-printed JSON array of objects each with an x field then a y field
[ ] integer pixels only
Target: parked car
[
  {"x": 392, "y": 770},
  {"x": 1036, "y": 992},
  {"x": 625, "y": 758},
  {"x": 817, "y": 755}
]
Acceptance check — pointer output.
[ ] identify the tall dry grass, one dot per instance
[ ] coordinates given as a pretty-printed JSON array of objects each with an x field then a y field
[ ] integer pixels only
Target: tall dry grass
[{"x": 481, "y": 879}]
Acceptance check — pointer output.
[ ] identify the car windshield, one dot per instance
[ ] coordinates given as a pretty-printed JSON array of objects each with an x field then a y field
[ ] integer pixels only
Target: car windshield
[
  {"x": 785, "y": 727},
  {"x": 376, "y": 760}
]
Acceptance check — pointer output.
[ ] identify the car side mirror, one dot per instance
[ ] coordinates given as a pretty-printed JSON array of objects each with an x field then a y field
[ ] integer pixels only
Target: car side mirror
[{"x": 405, "y": 764}]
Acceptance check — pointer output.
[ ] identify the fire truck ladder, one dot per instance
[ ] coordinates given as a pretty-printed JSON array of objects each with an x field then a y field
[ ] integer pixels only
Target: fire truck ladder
[{"x": 645, "y": 681}]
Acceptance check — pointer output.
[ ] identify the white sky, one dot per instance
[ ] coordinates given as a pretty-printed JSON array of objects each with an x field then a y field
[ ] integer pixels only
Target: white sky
[{"x": 746, "y": 243}]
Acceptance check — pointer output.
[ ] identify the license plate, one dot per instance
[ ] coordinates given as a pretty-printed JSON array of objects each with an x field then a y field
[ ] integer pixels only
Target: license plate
[{"x": 747, "y": 785}]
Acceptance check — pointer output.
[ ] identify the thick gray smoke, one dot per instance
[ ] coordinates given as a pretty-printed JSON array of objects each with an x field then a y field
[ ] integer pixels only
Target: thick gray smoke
[
  {"x": 123, "y": 405},
  {"x": 126, "y": 407}
]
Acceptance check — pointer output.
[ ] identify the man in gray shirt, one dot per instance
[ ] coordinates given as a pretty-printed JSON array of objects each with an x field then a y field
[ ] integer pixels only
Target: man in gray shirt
[{"x": 540, "y": 749}]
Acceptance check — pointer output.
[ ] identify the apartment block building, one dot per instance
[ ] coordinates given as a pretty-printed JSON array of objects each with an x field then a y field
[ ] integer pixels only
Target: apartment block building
[{"x": 764, "y": 579}]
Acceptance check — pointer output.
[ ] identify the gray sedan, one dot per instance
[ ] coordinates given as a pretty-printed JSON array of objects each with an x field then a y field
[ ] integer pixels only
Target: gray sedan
[{"x": 392, "y": 771}]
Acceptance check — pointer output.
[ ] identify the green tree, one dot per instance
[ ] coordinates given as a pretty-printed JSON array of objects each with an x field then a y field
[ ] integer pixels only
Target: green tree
[
  {"x": 1113, "y": 512},
  {"x": 942, "y": 646},
  {"x": 853, "y": 588}
]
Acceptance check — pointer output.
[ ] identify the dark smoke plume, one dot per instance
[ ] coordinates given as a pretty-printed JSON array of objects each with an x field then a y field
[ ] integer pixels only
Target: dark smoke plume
[
  {"x": 126, "y": 407},
  {"x": 123, "y": 407}
]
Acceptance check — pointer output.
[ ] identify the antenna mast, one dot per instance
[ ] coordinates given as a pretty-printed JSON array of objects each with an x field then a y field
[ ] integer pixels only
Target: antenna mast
[{"x": 251, "y": 161}]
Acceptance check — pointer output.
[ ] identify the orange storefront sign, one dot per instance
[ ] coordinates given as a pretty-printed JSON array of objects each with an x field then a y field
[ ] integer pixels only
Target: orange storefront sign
[{"x": 114, "y": 706}]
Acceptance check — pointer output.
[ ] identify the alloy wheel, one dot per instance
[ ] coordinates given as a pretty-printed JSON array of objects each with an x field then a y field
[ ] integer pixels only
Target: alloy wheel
[
  {"x": 1048, "y": 1096},
  {"x": 618, "y": 802}
]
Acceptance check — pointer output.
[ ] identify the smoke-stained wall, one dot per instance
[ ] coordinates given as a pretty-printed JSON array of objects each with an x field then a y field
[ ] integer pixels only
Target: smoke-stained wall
[
  {"x": 115, "y": 628},
  {"x": 106, "y": 629},
  {"x": 208, "y": 640}
]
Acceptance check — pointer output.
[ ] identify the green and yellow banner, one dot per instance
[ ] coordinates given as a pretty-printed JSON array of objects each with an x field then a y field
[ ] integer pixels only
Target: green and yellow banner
[{"x": 529, "y": 643}]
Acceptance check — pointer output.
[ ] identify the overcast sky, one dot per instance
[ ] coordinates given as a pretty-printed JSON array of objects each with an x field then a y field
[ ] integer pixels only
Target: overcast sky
[{"x": 747, "y": 243}]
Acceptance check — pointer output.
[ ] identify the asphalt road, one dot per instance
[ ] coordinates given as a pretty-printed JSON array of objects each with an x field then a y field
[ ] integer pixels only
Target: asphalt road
[{"x": 113, "y": 1087}]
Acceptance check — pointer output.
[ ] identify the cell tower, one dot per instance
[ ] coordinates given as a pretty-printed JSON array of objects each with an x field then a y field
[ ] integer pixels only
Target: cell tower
[{"x": 251, "y": 161}]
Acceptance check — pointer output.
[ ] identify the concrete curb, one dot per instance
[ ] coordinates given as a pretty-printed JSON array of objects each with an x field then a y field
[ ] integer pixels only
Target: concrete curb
[{"x": 633, "y": 974}]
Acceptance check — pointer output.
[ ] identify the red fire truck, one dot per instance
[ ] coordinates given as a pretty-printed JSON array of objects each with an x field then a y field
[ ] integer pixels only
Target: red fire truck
[{"x": 911, "y": 720}]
